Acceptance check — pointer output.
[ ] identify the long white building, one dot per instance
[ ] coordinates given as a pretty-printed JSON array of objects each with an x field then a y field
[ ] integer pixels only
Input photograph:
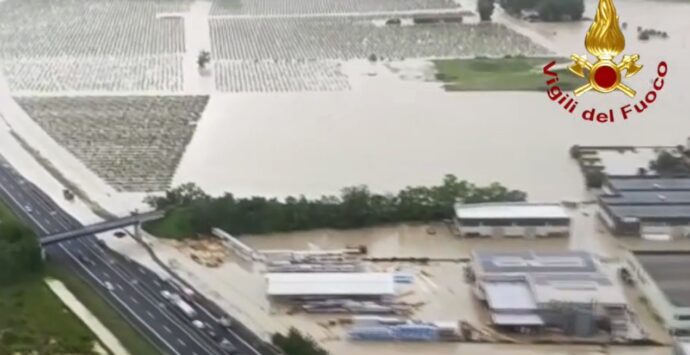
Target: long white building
[
  {"x": 512, "y": 219},
  {"x": 351, "y": 285}
]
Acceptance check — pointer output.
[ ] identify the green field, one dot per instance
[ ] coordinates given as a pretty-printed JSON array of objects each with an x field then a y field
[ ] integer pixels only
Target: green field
[
  {"x": 33, "y": 320},
  {"x": 6, "y": 214},
  {"x": 502, "y": 74}
]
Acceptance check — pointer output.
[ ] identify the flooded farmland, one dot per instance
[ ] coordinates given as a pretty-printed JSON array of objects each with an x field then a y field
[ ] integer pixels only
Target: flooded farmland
[{"x": 389, "y": 132}]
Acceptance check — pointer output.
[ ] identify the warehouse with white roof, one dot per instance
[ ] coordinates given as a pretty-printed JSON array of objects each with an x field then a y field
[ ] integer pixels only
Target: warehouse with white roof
[
  {"x": 315, "y": 285},
  {"x": 512, "y": 219}
]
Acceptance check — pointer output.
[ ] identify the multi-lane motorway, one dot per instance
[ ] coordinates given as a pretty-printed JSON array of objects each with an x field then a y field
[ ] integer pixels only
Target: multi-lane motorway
[{"x": 133, "y": 290}]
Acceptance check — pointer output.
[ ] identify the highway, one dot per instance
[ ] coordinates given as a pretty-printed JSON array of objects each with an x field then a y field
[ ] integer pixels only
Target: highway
[{"x": 133, "y": 290}]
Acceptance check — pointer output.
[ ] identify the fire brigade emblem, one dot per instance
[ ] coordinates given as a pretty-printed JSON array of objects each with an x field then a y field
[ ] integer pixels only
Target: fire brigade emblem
[{"x": 605, "y": 41}]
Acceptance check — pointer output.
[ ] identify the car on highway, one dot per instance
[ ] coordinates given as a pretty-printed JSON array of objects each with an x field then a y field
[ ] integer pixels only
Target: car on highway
[
  {"x": 198, "y": 324},
  {"x": 212, "y": 334},
  {"x": 109, "y": 286},
  {"x": 225, "y": 322},
  {"x": 227, "y": 347},
  {"x": 188, "y": 293},
  {"x": 28, "y": 209},
  {"x": 166, "y": 294},
  {"x": 84, "y": 259}
]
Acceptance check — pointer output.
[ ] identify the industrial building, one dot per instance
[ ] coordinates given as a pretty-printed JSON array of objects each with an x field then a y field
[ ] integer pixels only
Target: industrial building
[
  {"x": 664, "y": 279},
  {"x": 530, "y": 290},
  {"x": 651, "y": 207},
  {"x": 614, "y": 183},
  {"x": 319, "y": 285},
  {"x": 512, "y": 219}
]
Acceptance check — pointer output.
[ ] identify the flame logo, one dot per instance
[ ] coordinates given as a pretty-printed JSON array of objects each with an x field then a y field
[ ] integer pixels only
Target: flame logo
[
  {"x": 605, "y": 41},
  {"x": 604, "y": 38}
]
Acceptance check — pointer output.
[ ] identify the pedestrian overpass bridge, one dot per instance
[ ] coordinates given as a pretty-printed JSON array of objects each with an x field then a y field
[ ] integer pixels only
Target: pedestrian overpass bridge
[{"x": 101, "y": 227}]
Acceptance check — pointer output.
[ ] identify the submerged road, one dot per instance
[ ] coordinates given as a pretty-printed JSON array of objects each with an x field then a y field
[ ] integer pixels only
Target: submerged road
[{"x": 133, "y": 290}]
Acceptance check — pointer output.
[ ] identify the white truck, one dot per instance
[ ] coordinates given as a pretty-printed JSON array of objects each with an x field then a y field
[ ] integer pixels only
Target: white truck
[{"x": 188, "y": 310}]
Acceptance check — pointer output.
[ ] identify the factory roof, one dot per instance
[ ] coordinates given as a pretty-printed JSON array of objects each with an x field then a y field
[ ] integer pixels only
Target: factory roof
[
  {"x": 509, "y": 296},
  {"x": 576, "y": 288},
  {"x": 534, "y": 262},
  {"x": 666, "y": 211},
  {"x": 330, "y": 284},
  {"x": 648, "y": 183},
  {"x": 518, "y": 281},
  {"x": 669, "y": 270},
  {"x": 510, "y": 210},
  {"x": 647, "y": 198}
]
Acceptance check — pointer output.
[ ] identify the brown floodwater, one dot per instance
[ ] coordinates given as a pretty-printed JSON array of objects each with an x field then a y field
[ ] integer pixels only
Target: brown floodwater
[{"x": 389, "y": 132}]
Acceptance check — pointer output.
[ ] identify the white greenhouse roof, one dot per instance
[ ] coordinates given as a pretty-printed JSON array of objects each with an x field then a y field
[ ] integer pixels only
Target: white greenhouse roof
[
  {"x": 349, "y": 283},
  {"x": 510, "y": 210}
]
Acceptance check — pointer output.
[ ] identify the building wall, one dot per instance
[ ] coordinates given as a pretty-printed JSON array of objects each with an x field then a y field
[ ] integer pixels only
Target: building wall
[
  {"x": 615, "y": 225},
  {"x": 676, "y": 231},
  {"x": 669, "y": 313},
  {"x": 513, "y": 231}
]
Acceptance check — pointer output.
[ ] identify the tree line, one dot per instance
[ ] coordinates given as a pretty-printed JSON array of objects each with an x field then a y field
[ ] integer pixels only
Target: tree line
[
  {"x": 20, "y": 254},
  {"x": 193, "y": 212}
]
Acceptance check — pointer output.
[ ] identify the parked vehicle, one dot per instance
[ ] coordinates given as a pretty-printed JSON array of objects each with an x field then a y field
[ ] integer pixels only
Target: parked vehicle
[
  {"x": 69, "y": 196},
  {"x": 626, "y": 276}
]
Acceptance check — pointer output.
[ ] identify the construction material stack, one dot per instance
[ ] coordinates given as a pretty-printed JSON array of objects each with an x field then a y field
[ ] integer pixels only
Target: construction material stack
[{"x": 346, "y": 260}]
